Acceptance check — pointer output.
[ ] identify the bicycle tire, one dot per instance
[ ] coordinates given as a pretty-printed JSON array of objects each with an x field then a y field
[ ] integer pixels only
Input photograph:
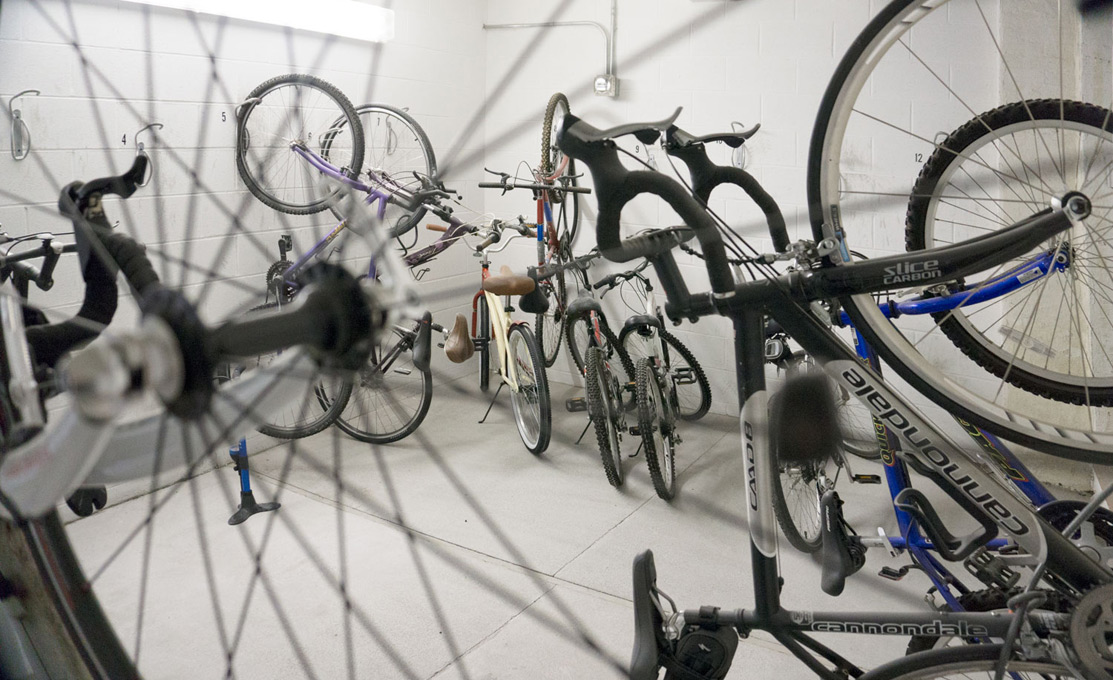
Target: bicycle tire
[
  {"x": 550, "y": 160},
  {"x": 380, "y": 410},
  {"x": 533, "y": 411},
  {"x": 959, "y": 325},
  {"x": 695, "y": 397},
  {"x": 657, "y": 435},
  {"x": 302, "y": 418},
  {"x": 303, "y": 198},
  {"x": 796, "y": 496},
  {"x": 960, "y": 662},
  {"x": 599, "y": 390},
  {"x": 835, "y": 180},
  {"x": 395, "y": 156},
  {"x": 550, "y": 325},
  {"x": 576, "y": 336},
  {"x": 66, "y": 632},
  {"x": 483, "y": 334}
]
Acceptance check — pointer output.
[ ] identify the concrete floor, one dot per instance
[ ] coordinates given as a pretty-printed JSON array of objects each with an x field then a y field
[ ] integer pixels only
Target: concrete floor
[{"x": 464, "y": 556}]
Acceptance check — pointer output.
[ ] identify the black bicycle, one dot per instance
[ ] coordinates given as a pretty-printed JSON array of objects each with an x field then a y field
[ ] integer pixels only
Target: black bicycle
[{"x": 701, "y": 641}]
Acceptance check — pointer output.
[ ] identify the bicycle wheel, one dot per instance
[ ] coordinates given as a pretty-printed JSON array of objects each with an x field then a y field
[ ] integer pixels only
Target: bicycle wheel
[
  {"x": 693, "y": 391},
  {"x": 797, "y": 494},
  {"x": 1018, "y": 336},
  {"x": 390, "y": 396},
  {"x": 971, "y": 661},
  {"x": 318, "y": 407},
  {"x": 296, "y": 108},
  {"x": 483, "y": 347},
  {"x": 550, "y": 325},
  {"x": 568, "y": 216},
  {"x": 856, "y": 426},
  {"x": 578, "y": 333},
  {"x": 1010, "y": 174},
  {"x": 395, "y": 147},
  {"x": 656, "y": 425},
  {"x": 603, "y": 409},
  {"x": 532, "y": 410}
]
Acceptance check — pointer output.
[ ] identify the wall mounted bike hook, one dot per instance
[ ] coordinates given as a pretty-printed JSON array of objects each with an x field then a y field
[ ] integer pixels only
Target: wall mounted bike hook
[
  {"x": 21, "y": 136},
  {"x": 141, "y": 151}
]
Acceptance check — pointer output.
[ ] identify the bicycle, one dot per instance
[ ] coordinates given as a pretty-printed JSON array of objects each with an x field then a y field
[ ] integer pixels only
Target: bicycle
[
  {"x": 661, "y": 635},
  {"x": 554, "y": 238},
  {"x": 520, "y": 364},
  {"x": 669, "y": 384},
  {"x": 560, "y": 235},
  {"x": 388, "y": 398}
]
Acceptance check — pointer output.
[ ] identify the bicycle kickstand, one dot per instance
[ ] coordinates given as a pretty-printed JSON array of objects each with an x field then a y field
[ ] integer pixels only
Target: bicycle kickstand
[{"x": 492, "y": 404}]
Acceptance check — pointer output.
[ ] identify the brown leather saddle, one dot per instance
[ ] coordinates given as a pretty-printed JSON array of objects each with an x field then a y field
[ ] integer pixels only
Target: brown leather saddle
[
  {"x": 507, "y": 282},
  {"x": 459, "y": 346}
]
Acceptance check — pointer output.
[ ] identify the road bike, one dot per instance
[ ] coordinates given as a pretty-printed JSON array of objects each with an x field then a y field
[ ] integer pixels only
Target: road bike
[{"x": 669, "y": 638}]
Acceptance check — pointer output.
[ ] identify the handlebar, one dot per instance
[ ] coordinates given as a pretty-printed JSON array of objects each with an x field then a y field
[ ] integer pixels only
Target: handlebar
[
  {"x": 552, "y": 269},
  {"x": 614, "y": 279},
  {"x": 507, "y": 184},
  {"x": 617, "y": 185}
]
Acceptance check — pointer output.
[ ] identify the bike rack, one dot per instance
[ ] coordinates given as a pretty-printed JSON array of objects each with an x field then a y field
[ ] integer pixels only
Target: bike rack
[
  {"x": 140, "y": 151},
  {"x": 21, "y": 135}
]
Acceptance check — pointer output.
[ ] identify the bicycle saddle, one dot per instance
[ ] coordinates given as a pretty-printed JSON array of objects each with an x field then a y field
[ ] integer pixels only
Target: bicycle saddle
[
  {"x": 647, "y": 133},
  {"x": 507, "y": 282},
  {"x": 459, "y": 346},
  {"x": 677, "y": 137}
]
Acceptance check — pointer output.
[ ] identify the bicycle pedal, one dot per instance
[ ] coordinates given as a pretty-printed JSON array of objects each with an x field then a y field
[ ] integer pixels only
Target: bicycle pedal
[
  {"x": 575, "y": 404},
  {"x": 866, "y": 479},
  {"x": 893, "y": 574}
]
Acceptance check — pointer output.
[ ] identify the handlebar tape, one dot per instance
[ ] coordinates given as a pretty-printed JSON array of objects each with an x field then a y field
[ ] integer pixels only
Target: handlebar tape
[{"x": 707, "y": 175}]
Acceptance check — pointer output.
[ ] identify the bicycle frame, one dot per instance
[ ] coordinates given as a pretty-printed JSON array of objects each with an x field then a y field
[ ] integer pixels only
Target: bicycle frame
[
  {"x": 786, "y": 299},
  {"x": 377, "y": 197}
]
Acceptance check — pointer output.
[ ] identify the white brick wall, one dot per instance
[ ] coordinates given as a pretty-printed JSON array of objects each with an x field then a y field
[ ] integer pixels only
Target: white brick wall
[{"x": 157, "y": 66}]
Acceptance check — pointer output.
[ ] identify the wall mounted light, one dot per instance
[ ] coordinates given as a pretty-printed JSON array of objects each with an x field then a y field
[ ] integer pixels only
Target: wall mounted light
[{"x": 345, "y": 18}]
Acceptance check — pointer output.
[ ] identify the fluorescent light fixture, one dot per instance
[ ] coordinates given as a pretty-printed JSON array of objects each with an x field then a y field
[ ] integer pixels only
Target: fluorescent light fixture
[{"x": 346, "y": 18}]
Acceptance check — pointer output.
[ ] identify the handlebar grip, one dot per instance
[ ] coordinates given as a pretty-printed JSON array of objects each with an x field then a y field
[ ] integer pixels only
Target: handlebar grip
[
  {"x": 576, "y": 190},
  {"x": 606, "y": 281},
  {"x": 494, "y": 185},
  {"x": 487, "y": 242},
  {"x": 436, "y": 227}
]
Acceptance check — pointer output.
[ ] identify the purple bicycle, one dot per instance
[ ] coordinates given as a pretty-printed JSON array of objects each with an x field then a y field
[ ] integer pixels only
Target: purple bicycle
[{"x": 302, "y": 148}]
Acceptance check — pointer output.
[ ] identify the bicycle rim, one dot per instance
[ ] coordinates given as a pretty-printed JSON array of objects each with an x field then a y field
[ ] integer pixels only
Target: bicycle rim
[
  {"x": 903, "y": 50},
  {"x": 530, "y": 399},
  {"x": 395, "y": 147},
  {"x": 390, "y": 396},
  {"x": 603, "y": 409},
  {"x": 295, "y": 109}
]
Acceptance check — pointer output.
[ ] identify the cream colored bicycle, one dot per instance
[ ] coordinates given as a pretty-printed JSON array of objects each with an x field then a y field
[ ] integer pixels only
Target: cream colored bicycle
[{"x": 521, "y": 365}]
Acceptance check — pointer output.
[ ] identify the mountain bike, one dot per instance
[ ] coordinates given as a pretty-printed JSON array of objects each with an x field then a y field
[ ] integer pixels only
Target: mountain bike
[
  {"x": 669, "y": 384},
  {"x": 555, "y": 168}
]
